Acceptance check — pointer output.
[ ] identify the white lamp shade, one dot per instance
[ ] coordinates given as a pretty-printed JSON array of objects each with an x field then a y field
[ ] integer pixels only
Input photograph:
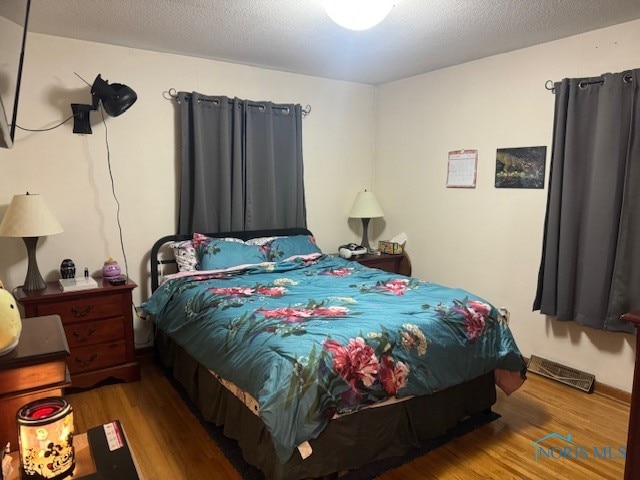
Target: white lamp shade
[
  {"x": 358, "y": 14},
  {"x": 365, "y": 206},
  {"x": 29, "y": 216}
]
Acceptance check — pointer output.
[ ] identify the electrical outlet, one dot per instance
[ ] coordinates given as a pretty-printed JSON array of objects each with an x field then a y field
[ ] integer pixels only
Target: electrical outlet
[{"x": 504, "y": 313}]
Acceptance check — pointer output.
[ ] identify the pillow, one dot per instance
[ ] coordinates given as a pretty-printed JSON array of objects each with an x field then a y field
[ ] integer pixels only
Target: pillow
[
  {"x": 185, "y": 251},
  {"x": 185, "y": 254},
  {"x": 282, "y": 248},
  {"x": 199, "y": 238},
  {"x": 216, "y": 253},
  {"x": 259, "y": 240}
]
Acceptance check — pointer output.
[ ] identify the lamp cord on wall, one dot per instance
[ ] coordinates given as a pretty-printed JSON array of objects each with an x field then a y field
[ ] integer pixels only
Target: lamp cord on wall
[
  {"x": 45, "y": 129},
  {"x": 113, "y": 191}
]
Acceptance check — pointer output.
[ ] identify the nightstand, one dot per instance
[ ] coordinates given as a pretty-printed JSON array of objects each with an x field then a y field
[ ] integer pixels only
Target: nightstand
[
  {"x": 389, "y": 263},
  {"x": 35, "y": 369},
  {"x": 98, "y": 324}
]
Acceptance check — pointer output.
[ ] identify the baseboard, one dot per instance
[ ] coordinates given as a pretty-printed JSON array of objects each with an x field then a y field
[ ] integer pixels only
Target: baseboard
[
  {"x": 613, "y": 392},
  {"x": 606, "y": 390},
  {"x": 144, "y": 351}
]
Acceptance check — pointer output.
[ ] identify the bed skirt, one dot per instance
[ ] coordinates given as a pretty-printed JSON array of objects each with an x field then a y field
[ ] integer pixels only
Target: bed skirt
[{"x": 348, "y": 442}]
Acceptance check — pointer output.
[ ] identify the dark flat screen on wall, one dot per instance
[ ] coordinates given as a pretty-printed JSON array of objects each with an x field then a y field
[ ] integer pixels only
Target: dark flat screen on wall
[{"x": 5, "y": 138}]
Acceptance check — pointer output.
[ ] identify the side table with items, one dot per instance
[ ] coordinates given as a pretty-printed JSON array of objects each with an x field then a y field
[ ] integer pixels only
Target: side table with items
[
  {"x": 399, "y": 263},
  {"x": 98, "y": 323},
  {"x": 35, "y": 369},
  {"x": 102, "y": 453}
]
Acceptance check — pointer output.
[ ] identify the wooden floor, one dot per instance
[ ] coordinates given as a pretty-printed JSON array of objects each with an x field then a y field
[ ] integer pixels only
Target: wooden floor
[{"x": 169, "y": 442}]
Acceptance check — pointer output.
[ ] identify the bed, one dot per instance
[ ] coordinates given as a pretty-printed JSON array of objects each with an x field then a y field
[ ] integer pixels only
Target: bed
[{"x": 316, "y": 364}]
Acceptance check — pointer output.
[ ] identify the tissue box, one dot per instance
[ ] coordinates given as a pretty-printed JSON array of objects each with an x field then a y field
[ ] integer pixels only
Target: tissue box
[{"x": 391, "y": 248}]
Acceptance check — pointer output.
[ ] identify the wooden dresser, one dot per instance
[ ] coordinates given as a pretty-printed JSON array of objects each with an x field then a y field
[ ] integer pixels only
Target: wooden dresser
[
  {"x": 632, "y": 462},
  {"x": 98, "y": 324},
  {"x": 35, "y": 369}
]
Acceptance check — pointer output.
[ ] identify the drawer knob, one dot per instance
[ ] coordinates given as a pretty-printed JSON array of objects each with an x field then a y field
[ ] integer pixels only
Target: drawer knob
[
  {"x": 80, "y": 338},
  {"x": 81, "y": 313},
  {"x": 88, "y": 361}
]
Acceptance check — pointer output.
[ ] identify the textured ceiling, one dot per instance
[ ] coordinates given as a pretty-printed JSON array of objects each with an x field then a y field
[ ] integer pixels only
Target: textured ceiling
[{"x": 297, "y": 36}]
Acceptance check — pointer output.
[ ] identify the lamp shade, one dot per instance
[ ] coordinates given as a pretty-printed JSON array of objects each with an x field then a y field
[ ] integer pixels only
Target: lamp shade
[
  {"x": 365, "y": 206},
  {"x": 29, "y": 216},
  {"x": 358, "y": 14}
]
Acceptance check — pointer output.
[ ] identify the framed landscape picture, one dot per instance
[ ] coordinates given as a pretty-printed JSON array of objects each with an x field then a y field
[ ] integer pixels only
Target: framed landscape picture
[{"x": 521, "y": 167}]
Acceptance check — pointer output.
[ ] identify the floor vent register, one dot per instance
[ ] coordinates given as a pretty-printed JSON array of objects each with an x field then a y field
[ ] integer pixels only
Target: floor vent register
[{"x": 561, "y": 373}]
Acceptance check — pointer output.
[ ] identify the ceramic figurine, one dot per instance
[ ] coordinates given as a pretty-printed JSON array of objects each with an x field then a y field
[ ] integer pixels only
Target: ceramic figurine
[
  {"x": 10, "y": 322},
  {"x": 111, "y": 269},
  {"x": 67, "y": 268}
]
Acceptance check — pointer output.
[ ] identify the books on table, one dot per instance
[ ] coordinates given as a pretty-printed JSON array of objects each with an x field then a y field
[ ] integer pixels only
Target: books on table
[{"x": 74, "y": 284}]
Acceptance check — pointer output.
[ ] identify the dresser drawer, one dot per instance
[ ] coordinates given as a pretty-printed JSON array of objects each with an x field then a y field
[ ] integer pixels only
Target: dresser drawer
[
  {"x": 31, "y": 377},
  {"x": 391, "y": 265},
  {"x": 86, "y": 308},
  {"x": 388, "y": 263},
  {"x": 94, "y": 357},
  {"x": 92, "y": 332}
]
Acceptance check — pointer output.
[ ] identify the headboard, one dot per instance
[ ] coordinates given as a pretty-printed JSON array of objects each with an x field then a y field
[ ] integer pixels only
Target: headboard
[{"x": 156, "y": 261}]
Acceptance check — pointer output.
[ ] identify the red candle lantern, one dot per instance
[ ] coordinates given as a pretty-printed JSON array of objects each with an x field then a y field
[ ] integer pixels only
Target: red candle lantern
[{"x": 45, "y": 435}]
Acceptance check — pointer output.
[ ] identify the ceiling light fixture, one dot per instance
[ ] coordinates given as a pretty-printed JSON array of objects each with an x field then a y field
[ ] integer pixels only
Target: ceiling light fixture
[{"x": 358, "y": 14}]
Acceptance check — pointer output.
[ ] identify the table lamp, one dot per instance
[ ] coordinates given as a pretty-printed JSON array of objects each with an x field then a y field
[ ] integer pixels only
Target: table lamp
[
  {"x": 29, "y": 217},
  {"x": 366, "y": 207}
]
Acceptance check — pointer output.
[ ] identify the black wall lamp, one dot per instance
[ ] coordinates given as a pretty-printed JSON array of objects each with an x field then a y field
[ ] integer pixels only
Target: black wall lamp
[{"x": 116, "y": 99}]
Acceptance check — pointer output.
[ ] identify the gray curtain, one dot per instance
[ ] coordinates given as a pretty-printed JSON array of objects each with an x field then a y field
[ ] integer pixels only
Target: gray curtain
[
  {"x": 241, "y": 165},
  {"x": 590, "y": 268}
]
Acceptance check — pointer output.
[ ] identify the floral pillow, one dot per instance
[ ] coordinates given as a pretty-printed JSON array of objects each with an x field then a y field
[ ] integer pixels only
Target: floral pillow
[
  {"x": 217, "y": 253},
  {"x": 185, "y": 254},
  {"x": 283, "y": 248},
  {"x": 259, "y": 240}
]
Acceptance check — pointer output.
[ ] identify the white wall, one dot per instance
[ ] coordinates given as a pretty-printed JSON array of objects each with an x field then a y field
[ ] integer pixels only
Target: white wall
[
  {"x": 488, "y": 240},
  {"x": 71, "y": 170}
]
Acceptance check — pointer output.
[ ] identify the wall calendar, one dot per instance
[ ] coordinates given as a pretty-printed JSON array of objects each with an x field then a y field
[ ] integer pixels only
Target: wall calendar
[{"x": 462, "y": 169}]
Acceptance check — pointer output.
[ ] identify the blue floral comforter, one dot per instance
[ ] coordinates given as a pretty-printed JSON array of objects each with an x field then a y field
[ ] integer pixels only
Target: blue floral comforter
[{"x": 317, "y": 336}]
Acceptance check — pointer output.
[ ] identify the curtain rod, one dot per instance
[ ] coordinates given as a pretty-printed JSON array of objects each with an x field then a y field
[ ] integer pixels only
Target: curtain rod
[
  {"x": 626, "y": 78},
  {"x": 173, "y": 94}
]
